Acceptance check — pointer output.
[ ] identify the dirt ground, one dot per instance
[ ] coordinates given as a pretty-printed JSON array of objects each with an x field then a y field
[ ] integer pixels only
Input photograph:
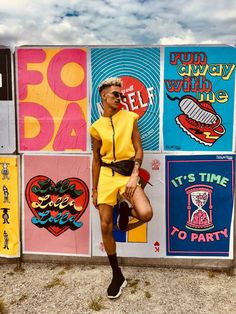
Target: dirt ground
[{"x": 49, "y": 288}]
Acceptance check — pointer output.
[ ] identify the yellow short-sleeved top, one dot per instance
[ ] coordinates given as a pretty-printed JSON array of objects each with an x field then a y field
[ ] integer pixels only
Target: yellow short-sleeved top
[{"x": 116, "y": 135}]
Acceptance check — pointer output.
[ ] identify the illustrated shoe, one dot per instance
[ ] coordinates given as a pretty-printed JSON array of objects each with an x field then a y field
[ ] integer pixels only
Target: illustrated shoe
[
  {"x": 206, "y": 134},
  {"x": 117, "y": 284},
  {"x": 199, "y": 111},
  {"x": 123, "y": 216}
]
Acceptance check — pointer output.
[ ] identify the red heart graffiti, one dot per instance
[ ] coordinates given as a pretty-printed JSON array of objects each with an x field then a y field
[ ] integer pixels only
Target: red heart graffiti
[{"x": 64, "y": 202}]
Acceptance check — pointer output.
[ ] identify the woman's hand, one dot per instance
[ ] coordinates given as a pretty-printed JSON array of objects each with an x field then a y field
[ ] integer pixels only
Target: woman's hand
[
  {"x": 131, "y": 186},
  {"x": 95, "y": 197}
]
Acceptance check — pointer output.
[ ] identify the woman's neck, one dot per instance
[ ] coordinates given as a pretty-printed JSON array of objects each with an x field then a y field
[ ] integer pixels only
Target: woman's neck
[{"x": 109, "y": 112}]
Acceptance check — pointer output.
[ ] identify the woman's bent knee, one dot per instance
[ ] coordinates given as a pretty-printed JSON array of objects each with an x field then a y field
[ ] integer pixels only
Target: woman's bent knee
[{"x": 147, "y": 215}]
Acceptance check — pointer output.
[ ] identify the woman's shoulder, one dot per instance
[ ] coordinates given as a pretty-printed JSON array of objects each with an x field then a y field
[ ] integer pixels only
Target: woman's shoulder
[
  {"x": 97, "y": 122},
  {"x": 129, "y": 114}
]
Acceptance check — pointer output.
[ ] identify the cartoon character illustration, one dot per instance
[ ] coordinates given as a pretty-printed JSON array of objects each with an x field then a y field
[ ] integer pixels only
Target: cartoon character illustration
[
  {"x": 101, "y": 247},
  {"x": 199, "y": 120},
  {"x": 5, "y": 170},
  {"x": 6, "y": 240},
  {"x": 5, "y": 215},
  {"x": 157, "y": 246},
  {"x": 5, "y": 194},
  {"x": 156, "y": 164}
]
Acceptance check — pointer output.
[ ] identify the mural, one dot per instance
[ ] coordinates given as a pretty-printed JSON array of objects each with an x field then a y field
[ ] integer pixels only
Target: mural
[
  {"x": 52, "y": 99},
  {"x": 56, "y": 206},
  {"x": 139, "y": 69},
  {"x": 9, "y": 207},
  {"x": 192, "y": 120},
  {"x": 199, "y": 205},
  {"x": 199, "y": 98}
]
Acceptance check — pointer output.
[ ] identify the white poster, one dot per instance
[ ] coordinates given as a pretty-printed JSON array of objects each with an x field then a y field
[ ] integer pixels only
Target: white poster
[
  {"x": 146, "y": 240},
  {"x": 7, "y": 109}
]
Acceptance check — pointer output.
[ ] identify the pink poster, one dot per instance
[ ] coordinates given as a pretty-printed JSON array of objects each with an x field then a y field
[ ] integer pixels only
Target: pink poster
[
  {"x": 52, "y": 98},
  {"x": 56, "y": 217}
]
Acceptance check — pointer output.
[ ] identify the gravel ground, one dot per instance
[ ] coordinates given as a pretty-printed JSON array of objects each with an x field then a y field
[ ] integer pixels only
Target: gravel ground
[{"x": 48, "y": 288}]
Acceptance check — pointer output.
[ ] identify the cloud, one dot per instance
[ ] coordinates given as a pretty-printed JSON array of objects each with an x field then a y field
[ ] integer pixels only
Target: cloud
[
  {"x": 185, "y": 38},
  {"x": 103, "y": 22}
]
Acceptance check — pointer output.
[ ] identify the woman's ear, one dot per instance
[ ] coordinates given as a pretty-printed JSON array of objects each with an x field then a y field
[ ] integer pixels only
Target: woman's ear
[{"x": 103, "y": 95}]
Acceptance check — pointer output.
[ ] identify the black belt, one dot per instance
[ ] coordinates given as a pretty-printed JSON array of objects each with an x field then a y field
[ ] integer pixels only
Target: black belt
[{"x": 124, "y": 167}]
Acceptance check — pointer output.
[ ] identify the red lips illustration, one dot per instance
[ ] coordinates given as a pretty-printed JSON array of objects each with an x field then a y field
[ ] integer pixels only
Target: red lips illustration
[{"x": 57, "y": 207}]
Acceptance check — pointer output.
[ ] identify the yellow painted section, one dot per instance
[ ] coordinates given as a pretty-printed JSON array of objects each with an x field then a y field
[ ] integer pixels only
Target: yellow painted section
[
  {"x": 9, "y": 199},
  {"x": 138, "y": 234}
]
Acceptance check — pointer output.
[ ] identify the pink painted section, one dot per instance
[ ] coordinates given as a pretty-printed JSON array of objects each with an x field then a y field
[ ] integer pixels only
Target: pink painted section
[
  {"x": 54, "y": 74},
  {"x": 40, "y": 240},
  {"x": 30, "y": 109},
  {"x": 29, "y": 77},
  {"x": 73, "y": 120}
]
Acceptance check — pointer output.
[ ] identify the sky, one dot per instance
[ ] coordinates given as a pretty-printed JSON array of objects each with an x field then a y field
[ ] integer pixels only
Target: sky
[{"x": 117, "y": 22}]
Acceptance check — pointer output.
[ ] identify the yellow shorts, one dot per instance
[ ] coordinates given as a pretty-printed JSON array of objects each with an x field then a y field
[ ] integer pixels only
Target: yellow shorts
[{"x": 110, "y": 185}]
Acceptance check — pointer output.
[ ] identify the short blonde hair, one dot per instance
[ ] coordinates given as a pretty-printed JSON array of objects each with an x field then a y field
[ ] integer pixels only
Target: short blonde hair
[{"x": 111, "y": 81}]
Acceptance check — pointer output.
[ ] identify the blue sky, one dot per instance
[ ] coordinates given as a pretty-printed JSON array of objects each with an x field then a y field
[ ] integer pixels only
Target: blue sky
[{"x": 117, "y": 22}]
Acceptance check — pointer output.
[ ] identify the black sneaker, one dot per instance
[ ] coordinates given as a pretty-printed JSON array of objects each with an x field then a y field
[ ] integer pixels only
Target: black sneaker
[
  {"x": 117, "y": 284},
  {"x": 123, "y": 216}
]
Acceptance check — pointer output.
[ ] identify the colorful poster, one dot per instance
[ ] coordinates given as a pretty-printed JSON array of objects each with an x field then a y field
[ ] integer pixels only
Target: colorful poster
[
  {"x": 199, "y": 205},
  {"x": 52, "y": 99},
  {"x": 139, "y": 69},
  {"x": 7, "y": 106},
  {"x": 199, "y": 92},
  {"x": 56, "y": 205},
  {"x": 140, "y": 240},
  {"x": 9, "y": 207}
]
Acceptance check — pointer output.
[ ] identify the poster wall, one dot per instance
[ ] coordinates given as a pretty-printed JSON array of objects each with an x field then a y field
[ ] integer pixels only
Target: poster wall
[
  {"x": 141, "y": 240},
  {"x": 139, "y": 69},
  {"x": 57, "y": 99},
  {"x": 7, "y": 107},
  {"x": 9, "y": 207},
  {"x": 199, "y": 205},
  {"x": 52, "y": 99},
  {"x": 199, "y": 93},
  {"x": 56, "y": 216}
]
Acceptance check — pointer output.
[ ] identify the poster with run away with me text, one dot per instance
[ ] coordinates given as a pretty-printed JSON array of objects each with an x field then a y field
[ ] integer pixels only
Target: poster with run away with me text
[{"x": 199, "y": 93}]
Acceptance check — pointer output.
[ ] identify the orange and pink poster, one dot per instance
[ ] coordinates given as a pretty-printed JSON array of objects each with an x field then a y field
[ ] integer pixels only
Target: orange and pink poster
[
  {"x": 56, "y": 214},
  {"x": 52, "y": 99}
]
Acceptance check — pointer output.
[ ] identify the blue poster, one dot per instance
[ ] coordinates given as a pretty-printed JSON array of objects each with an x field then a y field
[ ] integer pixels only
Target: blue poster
[
  {"x": 199, "y": 205},
  {"x": 199, "y": 87},
  {"x": 139, "y": 69}
]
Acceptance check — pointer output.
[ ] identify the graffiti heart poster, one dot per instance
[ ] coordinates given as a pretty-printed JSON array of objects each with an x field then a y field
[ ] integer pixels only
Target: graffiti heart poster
[
  {"x": 9, "y": 207},
  {"x": 52, "y": 98},
  {"x": 199, "y": 92},
  {"x": 7, "y": 106},
  {"x": 139, "y": 69},
  {"x": 140, "y": 240},
  {"x": 56, "y": 216},
  {"x": 199, "y": 205}
]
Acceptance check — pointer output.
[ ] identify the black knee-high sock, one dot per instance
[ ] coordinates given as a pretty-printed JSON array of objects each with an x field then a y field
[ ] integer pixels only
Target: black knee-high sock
[{"x": 113, "y": 262}]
